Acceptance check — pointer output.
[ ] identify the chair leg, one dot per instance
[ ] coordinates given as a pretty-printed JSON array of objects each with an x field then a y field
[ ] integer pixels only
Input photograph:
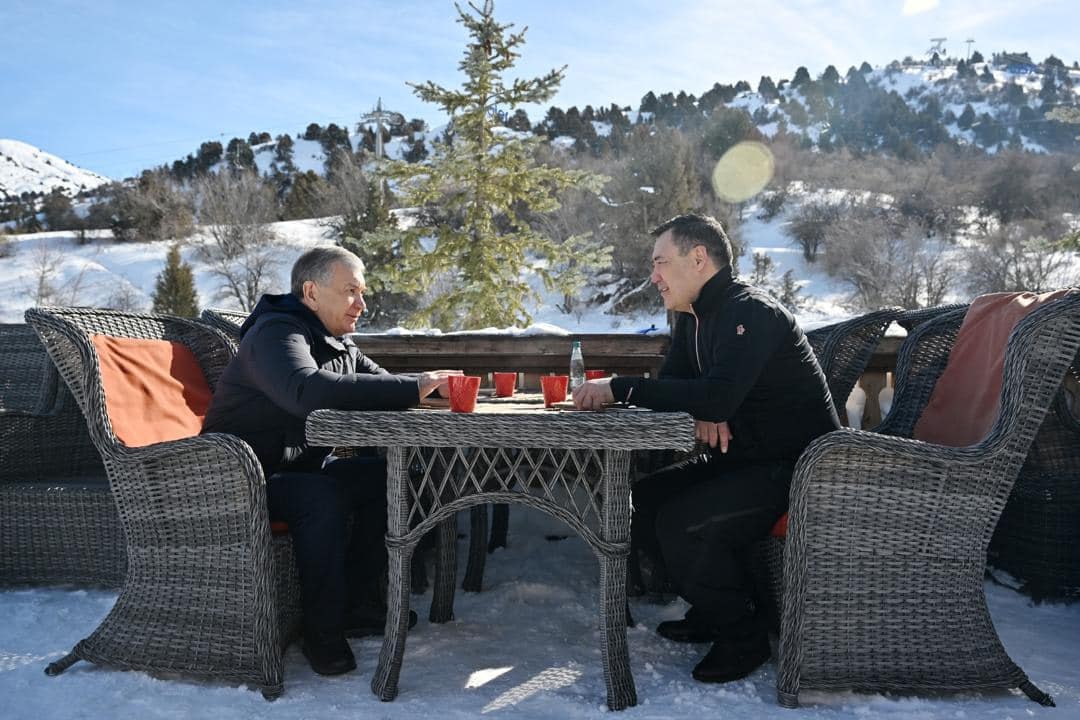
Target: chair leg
[
  {"x": 1032, "y": 691},
  {"x": 500, "y": 526},
  {"x": 55, "y": 668},
  {"x": 478, "y": 532},
  {"x": 442, "y": 596}
]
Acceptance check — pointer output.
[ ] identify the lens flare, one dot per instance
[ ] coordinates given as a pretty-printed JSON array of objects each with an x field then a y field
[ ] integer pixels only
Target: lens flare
[{"x": 743, "y": 171}]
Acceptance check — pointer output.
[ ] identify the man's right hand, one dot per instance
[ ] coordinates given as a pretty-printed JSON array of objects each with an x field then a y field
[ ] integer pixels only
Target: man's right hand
[
  {"x": 435, "y": 380},
  {"x": 713, "y": 433}
]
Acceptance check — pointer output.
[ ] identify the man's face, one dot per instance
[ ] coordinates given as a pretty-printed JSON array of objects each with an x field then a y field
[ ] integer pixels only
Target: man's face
[
  {"x": 679, "y": 277},
  {"x": 340, "y": 303}
]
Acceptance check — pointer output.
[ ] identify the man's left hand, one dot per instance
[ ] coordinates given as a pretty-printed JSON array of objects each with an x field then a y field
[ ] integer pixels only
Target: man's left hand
[
  {"x": 593, "y": 394},
  {"x": 713, "y": 433}
]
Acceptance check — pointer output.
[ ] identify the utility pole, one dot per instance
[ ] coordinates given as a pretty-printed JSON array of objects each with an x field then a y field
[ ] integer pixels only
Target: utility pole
[
  {"x": 969, "y": 41},
  {"x": 379, "y": 116}
]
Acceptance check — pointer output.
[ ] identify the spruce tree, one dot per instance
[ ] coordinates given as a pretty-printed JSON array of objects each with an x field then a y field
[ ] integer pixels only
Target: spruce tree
[
  {"x": 473, "y": 248},
  {"x": 174, "y": 291}
]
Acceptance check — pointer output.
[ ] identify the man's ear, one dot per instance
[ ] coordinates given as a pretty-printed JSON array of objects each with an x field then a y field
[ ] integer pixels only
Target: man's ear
[
  {"x": 310, "y": 291},
  {"x": 701, "y": 255}
]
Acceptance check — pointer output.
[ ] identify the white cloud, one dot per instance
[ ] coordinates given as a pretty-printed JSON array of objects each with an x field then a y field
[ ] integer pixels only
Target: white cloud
[{"x": 915, "y": 7}]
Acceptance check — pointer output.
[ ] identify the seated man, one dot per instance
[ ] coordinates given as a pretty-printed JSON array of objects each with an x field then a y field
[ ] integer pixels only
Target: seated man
[
  {"x": 295, "y": 357},
  {"x": 741, "y": 366}
]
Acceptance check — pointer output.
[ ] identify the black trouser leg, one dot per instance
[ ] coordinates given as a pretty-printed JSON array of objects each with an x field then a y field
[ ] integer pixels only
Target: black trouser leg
[
  {"x": 363, "y": 482},
  {"x": 313, "y": 506},
  {"x": 647, "y": 496},
  {"x": 705, "y": 533}
]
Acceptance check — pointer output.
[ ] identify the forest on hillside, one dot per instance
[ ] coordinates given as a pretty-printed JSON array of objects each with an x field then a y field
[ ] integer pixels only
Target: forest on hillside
[{"x": 901, "y": 196}]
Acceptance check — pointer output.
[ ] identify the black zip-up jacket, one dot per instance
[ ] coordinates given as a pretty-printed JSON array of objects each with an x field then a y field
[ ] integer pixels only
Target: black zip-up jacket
[
  {"x": 289, "y": 364},
  {"x": 739, "y": 356}
]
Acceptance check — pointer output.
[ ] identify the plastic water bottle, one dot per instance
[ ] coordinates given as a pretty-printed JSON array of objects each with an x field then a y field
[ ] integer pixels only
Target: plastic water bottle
[{"x": 577, "y": 366}]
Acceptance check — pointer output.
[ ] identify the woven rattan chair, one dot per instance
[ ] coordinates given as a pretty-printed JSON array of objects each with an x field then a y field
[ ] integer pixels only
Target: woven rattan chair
[
  {"x": 843, "y": 349},
  {"x": 227, "y": 321},
  {"x": 911, "y": 319},
  {"x": 58, "y": 523},
  {"x": 887, "y": 540},
  {"x": 201, "y": 596}
]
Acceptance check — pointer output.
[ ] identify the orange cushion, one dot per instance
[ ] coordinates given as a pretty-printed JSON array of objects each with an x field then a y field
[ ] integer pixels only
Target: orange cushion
[
  {"x": 154, "y": 389},
  {"x": 779, "y": 529},
  {"x": 279, "y": 527},
  {"x": 964, "y": 403}
]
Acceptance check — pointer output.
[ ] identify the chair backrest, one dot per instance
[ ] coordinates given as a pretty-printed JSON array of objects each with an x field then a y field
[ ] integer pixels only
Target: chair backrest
[
  {"x": 227, "y": 321},
  {"x": 43, "y": 436},
  {"x": 911, "y": 319},
  {"x": 844, "y": 349},
  {"x": 28, "y": 379},
  {"x": 72, "y": 337},
  {"x": 1039, "y": 352}
]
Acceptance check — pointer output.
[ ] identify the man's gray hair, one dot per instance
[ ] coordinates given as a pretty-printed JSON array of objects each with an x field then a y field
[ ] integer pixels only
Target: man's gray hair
[{"x": 317, "y": 265}]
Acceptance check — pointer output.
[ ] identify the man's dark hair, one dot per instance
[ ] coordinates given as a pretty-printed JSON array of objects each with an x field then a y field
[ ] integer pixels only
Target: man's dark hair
[{"x": 689, "y": 231}]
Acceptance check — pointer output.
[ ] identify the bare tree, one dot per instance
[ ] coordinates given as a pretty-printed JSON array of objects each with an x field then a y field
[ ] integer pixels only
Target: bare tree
[
  {"x": 240, "y": 248},
  {"x": 1014, "y": 257},
  {"x": 48, "y": 286},
  {"x": 887, "y": 261}
]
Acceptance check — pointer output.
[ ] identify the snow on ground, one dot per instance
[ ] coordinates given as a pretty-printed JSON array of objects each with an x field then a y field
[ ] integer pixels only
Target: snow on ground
[
  {"x": 526, "y": 647},
  {"x": 25, "y": 168}
]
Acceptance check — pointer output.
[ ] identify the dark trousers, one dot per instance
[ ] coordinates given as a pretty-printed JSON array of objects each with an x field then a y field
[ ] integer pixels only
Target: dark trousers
[
  {"x": 338, "y": 568},
  {"x": 699, "y": 521}
]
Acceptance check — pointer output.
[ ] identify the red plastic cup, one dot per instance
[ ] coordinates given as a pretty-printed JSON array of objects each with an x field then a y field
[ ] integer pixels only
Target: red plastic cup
[
  {"x": 463, "y": 391},
  {"x": 595, "y": 374},
  {"x": 504, "y": 383},
  {"x": 554, "y": 387}
]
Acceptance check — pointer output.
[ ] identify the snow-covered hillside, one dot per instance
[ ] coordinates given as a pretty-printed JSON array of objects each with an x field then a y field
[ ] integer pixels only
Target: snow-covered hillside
[{"x": 25, "y": 168}]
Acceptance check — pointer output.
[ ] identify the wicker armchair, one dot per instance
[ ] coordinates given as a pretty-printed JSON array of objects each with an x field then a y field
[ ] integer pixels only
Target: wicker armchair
[
  {"x": 911, "y": 319},
  {"x": 201, "y": 596},
  {"x": 227, "y": 321},
  {"x": 887, "y": 540},
  {"x": 843, "y": 349},
  {"x": 58, "y": 523}
]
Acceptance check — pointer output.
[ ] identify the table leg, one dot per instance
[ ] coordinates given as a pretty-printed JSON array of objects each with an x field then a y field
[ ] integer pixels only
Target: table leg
[
  {"x": 621, "y": 692},
  {"x": 478, "y": 532},
  {"x": 442, "y": 595},
  {"x": 384, "y": 682}
]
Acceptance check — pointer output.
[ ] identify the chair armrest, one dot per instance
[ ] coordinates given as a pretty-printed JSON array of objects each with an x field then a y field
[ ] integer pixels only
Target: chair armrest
[{"x": 857, "y": 492}]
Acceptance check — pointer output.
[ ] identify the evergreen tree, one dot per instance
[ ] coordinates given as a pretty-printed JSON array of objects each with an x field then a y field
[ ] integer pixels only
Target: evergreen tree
[
  {"x": 986, "y": 76},
  {"x": 174, "y": 291},
  {"x": 767, "y": 89},
  {"x": 976, "y": 57},
  {"x": 240, "y": 155},
  {"x": 802, "y": 75},
  {"x": 830, "y": 76},
  {"x": 487, "y": 187},
  {"x": 967, "y": 117},
  {"x": 865, "y": 68}
]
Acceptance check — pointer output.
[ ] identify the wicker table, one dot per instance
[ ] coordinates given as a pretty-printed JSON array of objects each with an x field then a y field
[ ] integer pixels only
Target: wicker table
[{"x": 572, "y": 465}]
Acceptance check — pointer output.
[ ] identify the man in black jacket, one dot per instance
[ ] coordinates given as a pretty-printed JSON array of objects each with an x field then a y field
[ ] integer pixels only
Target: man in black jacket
[
  {"x": 742, "y": 367},
  {"x": 295, "y": 356}
]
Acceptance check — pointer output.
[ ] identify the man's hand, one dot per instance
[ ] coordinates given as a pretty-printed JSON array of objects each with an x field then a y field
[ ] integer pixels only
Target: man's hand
[
  {"x": 593, "y": 394},
  {"x": 435, "y": 380},
  {"x": 713, "y": 433}
]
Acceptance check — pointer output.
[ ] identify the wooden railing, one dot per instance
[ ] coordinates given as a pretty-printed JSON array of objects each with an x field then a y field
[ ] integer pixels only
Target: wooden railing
[
  {"x": 535, "y": 355},
  {"x": 529, "y": 355}
]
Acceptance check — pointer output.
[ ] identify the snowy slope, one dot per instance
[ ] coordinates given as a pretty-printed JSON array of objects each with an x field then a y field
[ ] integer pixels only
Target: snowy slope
[
  {"x": 25, "y": 168},
  {"x": 526, "y": 647}
]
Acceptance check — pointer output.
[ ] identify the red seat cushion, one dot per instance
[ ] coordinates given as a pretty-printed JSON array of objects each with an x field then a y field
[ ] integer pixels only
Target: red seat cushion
[
  {"x": 779, "y": 528},
  {"x": 155, "y": 390},
  {"x": 279, "y": 527}
]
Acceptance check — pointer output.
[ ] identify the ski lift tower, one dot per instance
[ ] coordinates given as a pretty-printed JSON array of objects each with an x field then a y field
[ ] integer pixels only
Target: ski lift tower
[
  {"x": 380, "y": 116},
  {"x": 938, "y": 48},
  {"x": 969, "y": 41}
]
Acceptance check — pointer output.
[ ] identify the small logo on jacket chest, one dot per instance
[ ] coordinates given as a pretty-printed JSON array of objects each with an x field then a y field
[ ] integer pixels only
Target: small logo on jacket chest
[{"x": 739, "y": 329}]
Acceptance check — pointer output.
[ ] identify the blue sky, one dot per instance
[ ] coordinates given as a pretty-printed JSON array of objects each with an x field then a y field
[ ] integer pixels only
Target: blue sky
[{"x": 117, "y": 86}]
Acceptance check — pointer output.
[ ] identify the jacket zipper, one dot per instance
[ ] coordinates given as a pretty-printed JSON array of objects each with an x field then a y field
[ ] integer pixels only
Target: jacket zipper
[{"x": 697, "y": 348}]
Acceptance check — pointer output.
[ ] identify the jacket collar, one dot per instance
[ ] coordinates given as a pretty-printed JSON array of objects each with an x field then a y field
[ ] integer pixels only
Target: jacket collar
[{"x": 712, "y": 292}]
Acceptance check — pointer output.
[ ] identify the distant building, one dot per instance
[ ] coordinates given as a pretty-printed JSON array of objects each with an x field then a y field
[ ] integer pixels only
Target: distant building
[{"x": 1017, "y": 64}]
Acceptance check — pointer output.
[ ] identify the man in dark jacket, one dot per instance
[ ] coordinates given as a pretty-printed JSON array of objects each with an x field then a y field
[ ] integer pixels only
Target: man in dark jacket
[
  {"x": 741, "y": 366},
  {"x": 295, "y": 356}
]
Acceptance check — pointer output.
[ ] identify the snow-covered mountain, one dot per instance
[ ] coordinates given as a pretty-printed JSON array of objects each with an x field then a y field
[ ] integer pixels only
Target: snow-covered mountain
[{"x": 25, "y": 168}]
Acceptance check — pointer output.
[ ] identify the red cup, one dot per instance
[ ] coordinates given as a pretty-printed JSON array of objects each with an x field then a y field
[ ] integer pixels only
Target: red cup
[
  {"x": 463, "y": 391},
  {"x": 554, "y": 387},
  {"x": 595, "y": 374},
  {"x": 504, "y": 383}
]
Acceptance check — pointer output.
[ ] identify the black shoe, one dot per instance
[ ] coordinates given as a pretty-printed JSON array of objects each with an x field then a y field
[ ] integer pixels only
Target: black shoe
[
  {"x": 329, "y": 655},
  {"x": 686, "y": 631},
  {"x": 733, "y": 659},
  {"x": 365, "y": 621}
]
